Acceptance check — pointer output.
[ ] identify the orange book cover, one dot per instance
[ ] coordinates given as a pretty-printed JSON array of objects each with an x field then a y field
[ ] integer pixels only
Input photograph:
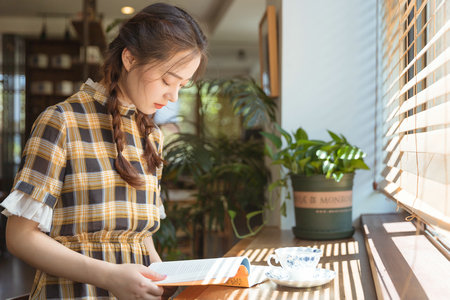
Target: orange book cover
[{"x": 230, "y": 271}]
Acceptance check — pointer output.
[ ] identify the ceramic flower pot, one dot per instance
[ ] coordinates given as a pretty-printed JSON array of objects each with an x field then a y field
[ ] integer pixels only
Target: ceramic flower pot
[{"x": 323, "y": 207}]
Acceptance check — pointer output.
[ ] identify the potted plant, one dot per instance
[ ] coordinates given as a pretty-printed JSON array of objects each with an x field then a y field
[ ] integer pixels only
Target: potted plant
[
  {"x": 322, "y": 174},
  {"x": 227, "y": 172}
]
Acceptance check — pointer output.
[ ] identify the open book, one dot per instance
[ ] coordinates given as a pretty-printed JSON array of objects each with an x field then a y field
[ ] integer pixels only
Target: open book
[{"x": 232, "y": 271}]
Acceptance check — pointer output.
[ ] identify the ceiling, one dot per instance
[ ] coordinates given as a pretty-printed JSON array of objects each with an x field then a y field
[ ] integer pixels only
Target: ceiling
[
  {"x": 231, "y": 25},
  {"x": 204, "y": 10}
]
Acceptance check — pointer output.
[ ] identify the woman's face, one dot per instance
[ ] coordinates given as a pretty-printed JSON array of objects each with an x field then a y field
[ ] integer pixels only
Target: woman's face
[{"x": 149, "y": 88}]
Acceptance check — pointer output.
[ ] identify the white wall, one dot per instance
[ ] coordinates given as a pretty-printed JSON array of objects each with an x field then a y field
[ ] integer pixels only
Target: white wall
[{"x": 328, "y": 81}]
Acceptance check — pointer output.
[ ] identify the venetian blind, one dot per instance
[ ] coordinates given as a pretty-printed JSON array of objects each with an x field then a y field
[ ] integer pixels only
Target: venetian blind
[{"x": 415, "y": 90}]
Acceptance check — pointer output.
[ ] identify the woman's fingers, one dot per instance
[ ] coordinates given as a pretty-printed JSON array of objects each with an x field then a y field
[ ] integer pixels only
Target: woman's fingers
[
  {"x": 155, "y": 290},
  {"x": 131, "y": 281},
  {"x": 150, "y": 274},
  {"x": 152, "y": 288}
]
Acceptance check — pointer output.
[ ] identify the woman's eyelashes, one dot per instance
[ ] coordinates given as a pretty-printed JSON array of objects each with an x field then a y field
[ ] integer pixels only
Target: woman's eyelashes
[{"x": 167, "y": 83}]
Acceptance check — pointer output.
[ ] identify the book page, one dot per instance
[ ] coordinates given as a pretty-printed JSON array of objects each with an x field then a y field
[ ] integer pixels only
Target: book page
[
  {"x": 208, "y": 271},
  {"x": 257, "y": 275}
]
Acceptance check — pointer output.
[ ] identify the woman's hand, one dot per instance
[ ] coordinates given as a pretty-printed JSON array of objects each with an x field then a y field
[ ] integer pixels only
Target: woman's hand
[{"x": 133, "y": 281}]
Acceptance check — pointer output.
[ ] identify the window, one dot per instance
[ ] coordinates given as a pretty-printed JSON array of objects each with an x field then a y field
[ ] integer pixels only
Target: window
[
  {"x": 415, "y": 104},
  {"x": 12, "y": 106},
  {"x": 199, "y": 109}
]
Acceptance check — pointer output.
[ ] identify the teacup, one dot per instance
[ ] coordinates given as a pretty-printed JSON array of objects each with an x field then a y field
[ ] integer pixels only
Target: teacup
[{"x": 299, "y": 262}]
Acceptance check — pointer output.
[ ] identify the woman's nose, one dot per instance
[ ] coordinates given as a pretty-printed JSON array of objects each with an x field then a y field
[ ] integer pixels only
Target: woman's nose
[
  {"x": 172, "y": 95},
  {"x": 174, "y": 98}
]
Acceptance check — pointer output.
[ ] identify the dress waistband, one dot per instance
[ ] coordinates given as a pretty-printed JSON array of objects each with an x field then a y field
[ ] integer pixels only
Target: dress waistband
[{"x": 120, "y": 237}]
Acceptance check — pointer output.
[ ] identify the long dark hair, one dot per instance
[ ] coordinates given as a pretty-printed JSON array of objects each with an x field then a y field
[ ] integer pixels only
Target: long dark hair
[{"x": 152, "y": 36}]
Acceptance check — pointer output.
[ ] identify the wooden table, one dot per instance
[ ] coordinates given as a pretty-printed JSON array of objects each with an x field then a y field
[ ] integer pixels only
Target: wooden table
[{"x": 347, "y": 257}]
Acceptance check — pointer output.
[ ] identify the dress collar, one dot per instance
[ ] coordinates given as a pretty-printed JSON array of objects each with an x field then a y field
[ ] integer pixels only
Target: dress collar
[{"x": 98, "y": 92}]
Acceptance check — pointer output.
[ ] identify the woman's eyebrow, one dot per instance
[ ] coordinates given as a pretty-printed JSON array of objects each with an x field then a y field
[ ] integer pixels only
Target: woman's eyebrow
[{"x": 177, "y": 76}]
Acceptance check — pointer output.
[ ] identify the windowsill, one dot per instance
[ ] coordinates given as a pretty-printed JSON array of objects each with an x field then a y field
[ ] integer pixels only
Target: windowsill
[{"x": 405, "y": 264}]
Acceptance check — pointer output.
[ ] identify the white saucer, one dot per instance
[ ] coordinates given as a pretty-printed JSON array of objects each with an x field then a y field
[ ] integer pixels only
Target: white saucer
[{"x": 319, "y": 277}]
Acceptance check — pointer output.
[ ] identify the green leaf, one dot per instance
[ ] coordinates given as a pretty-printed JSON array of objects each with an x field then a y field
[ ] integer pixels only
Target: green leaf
[
  {"x": 344, "y": 140},
  {"x": 359, "y": 154},
  {"x": 322, "y": 154},
  {"x": 273, "y": 138},
  {"x": 283, "y": 209},
  {"x": 334, "y": 136},
  {"x": 317, "y": 165},
  {"x": 328, "y": 148},
  {"x": 359, "y": 164},
  {"x": 269, "y": 151},
  {"x": 284, "y": 133},
  {"x": 328, "y": 168},
  {"x": 253, "y": 119},
  {"x": 303, "y": 162},
  {"x": 343, "y": 152},
  {"x": 254, "y": 213},
  {"x": 338, "y": 176},
  {"x": 232, "y": 214},
  {"x": 294, "y": 167},
  {"x": 301, "y": 134},
  {"x": 350, "y": 155}
]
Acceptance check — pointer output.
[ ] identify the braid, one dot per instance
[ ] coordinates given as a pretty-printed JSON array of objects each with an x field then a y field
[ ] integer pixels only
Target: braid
[
  {"x": 146, "y": 125},
  {"x": 123, "y": 166}
]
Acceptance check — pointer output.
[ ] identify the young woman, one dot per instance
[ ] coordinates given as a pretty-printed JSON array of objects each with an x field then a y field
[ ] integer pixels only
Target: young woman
[{"x": 85, "y": 201}]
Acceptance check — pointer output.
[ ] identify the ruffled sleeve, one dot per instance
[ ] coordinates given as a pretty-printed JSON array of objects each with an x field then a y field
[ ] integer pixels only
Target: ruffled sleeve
[
  {"x": 22, "y": 205},
  {"x": 162, "y": 212}
]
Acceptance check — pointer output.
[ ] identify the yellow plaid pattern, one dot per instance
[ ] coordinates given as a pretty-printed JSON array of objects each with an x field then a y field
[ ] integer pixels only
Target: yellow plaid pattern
[{"x": 68, "y": 164}]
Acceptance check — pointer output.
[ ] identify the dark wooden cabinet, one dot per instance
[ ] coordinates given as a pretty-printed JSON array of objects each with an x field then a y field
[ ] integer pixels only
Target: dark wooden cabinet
[{"x": 54, "y": 71}]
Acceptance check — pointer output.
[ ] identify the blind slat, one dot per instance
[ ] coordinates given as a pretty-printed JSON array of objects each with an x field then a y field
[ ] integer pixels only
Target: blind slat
[
  {"x": 439, "y": 88},
  {"x": 392, "y": 99},
  {"x": 430, "y": 68},
  {"x": 427, "y": 190},
  {"x": 437, "y": 115},
  {"x": 422, "y": 52},
  {"x": 427, "y": 165},
  {"x": 421, "y": 189},
  {"x": 427, "y": 212},
  {"x": 430, "y": 142}
]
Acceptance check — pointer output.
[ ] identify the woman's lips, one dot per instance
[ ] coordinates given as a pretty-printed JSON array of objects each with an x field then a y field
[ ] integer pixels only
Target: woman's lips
[{"x": 159, "y": 106}]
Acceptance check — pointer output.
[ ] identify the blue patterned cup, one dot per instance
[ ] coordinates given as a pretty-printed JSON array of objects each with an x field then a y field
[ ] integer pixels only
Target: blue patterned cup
[{"x": 299, "y": 262}]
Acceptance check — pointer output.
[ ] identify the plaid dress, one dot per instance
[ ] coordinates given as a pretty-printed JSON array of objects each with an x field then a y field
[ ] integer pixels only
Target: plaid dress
[{"x": 68, "y": 164}]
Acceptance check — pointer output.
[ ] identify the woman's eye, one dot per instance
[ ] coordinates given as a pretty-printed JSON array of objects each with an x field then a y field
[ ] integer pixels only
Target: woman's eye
[{"x": 165, "y": 82}]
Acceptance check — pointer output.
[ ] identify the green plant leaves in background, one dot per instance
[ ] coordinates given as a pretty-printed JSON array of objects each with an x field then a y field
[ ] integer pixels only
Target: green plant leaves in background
[
  {"x": 276, "y": 140},
  {"x": 300, "y": 155},
  {"x": 248, "y": 100}
]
